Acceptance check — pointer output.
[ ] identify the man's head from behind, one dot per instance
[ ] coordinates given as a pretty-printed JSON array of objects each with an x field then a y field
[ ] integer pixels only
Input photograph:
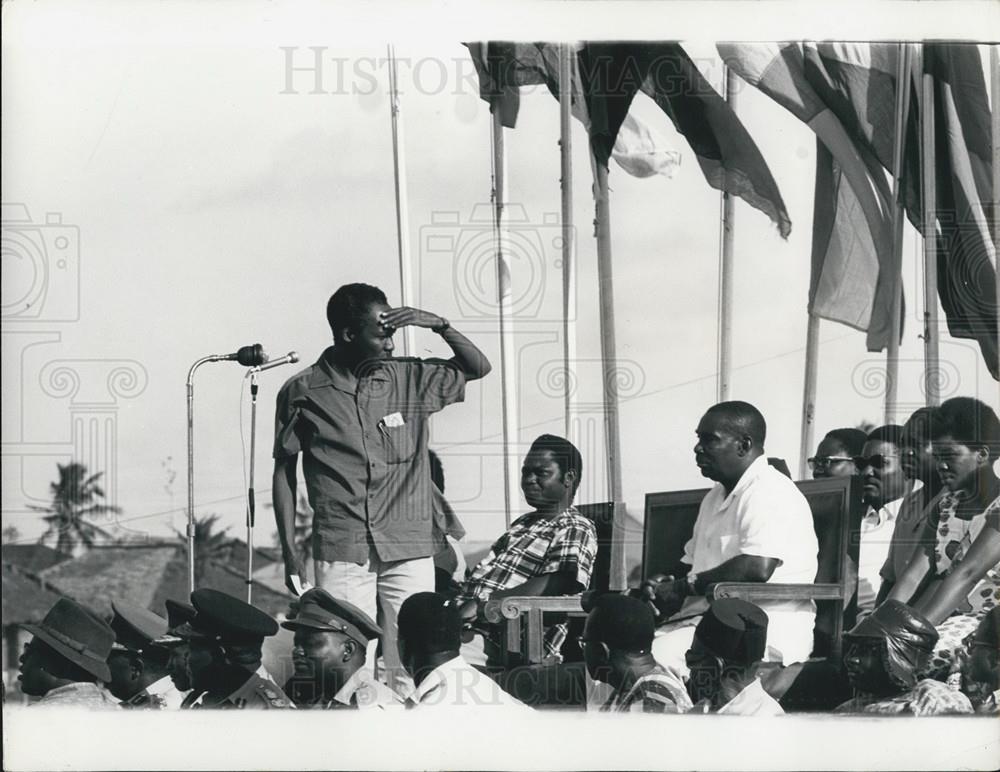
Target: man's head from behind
[
  {"x": 551, "y": 473},
  {"x": 618, "y": 631},
  {"x": 331, "y": 637},
  {"x": 353, "y": 314},
  {"x": 429, "y": 628},
  {"x": 730, "y": 438},
  {"x": 880, "y": 465},
  {"x": 729, "y": 642}
]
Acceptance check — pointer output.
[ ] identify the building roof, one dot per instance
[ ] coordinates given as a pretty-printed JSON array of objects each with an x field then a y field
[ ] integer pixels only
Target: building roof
[
  {"x": 32, "y": 557},
  {"x": 25, "y": 598},
  {"x": 147, "y": 575}
]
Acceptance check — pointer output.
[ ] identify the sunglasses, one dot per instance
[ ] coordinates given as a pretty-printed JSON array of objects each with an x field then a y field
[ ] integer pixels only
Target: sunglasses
[
  {"x": 822, "y": 462},
  {"x": 875, "y": 462}
]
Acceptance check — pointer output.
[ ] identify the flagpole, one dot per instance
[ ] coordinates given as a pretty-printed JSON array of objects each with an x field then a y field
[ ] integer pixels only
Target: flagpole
[
  {"x": 932, "y": 380},
  {"x": 809, "y": 394},
  {"x": 402, "y": 208},
  {"x": 726, "y": 271},
  {"x": 568, "y": 234},
  {"x": 508, "y": 374},
  {"x": 995, "y": 127},
  {"x": 609, "y": 362},
  {"x": 892, "y": 354}
]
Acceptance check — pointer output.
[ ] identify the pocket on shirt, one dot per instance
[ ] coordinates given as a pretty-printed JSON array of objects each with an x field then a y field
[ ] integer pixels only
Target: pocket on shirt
[{"x": 398, "y": 443}]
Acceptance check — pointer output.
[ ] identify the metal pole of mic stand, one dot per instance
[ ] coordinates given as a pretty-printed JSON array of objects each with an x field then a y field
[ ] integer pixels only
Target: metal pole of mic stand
[
  {"x": 190, "y": 531},
  {"x": 251, "y": 506}
]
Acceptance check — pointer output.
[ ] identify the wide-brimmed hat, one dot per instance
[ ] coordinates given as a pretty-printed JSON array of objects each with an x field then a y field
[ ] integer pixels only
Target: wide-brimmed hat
[{"x": 78, "y": 635}]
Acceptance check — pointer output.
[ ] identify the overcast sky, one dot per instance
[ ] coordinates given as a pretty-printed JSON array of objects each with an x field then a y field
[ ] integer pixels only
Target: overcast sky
[{"x": 215, "y": 209}]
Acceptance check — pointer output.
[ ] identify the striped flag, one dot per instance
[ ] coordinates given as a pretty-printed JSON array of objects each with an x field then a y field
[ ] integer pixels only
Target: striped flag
[
  {"x": 504, "y": 67},
  {"x": 613, "y": 73}
]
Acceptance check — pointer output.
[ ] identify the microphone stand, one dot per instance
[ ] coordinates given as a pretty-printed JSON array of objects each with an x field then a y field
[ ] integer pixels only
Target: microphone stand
[
  {"x": 190, "y": 531},
  {"x": 251, "y": 504}
]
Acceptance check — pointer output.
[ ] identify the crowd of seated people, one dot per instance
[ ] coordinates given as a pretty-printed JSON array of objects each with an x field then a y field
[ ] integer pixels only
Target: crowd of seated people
[{"x": 928, "y": 580}]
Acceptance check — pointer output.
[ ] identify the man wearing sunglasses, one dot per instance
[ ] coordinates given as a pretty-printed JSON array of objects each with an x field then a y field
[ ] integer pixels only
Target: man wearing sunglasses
[
  {"x": 885, "y": 485},
  {"x": 835, "y": 453}
]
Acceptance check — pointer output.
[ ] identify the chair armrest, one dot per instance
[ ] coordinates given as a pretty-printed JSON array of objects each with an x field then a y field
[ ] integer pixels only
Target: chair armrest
[
  {"x": 763, "y": 591},
  {"x": 513, "y": 607}
]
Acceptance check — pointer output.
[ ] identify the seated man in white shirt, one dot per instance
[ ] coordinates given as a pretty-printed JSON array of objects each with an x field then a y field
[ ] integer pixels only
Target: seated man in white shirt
[
  {"x": 885, "y": 487},
  {"x": 728, "y": 645},
  {"x": 753, "y": 526},
  {"x": 430, "y": 636}
]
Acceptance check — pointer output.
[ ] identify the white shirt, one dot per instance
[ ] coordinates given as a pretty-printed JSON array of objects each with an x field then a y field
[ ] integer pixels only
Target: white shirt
[
  {"x": 752, "y": 701},
  {"x": 456, "y": 684},
  {"x": 166, "y": 691},
  {"x": 876, "y": 537},
  {"x": 363, "y": 692},
  {"x": 764, "y": 515}
]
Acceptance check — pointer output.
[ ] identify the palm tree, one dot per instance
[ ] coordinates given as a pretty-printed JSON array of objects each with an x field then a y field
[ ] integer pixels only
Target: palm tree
[
  {"x": 210, "y": 546},
  {"x": 75, "y": 495}
]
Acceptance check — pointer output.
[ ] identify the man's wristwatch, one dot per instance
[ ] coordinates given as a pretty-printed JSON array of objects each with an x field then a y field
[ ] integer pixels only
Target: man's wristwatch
[
  {"x": 691, "y": 579},
  {"x": 445, "y": 324}
]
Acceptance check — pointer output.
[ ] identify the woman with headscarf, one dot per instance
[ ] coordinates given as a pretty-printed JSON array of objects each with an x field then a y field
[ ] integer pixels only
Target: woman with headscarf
[
  {"x": 883, "y": 655},
  {"x": 956, "y": 581}
]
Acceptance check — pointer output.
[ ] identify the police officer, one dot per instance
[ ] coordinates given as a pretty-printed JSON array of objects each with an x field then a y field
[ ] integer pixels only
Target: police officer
[
  {"x": 225, "y": 639},
  {"x": 331, "y": 638},
  {"x": 139, "y": 664}
]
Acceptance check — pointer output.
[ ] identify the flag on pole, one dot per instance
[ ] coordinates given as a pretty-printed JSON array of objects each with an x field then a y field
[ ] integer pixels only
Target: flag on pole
[
  {"x": 504, "y": 67},
  {"x": 967, "y": 258},
  {"x": 730, "y": 160},
  {"x": 857, "y": 81},
  {"x": 852, "y": 280}
]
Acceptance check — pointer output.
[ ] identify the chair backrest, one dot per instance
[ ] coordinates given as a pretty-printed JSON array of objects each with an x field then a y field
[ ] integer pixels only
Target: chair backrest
[
  {"x": 602, "y": 515},
  {"x": 836, "y": 509}
]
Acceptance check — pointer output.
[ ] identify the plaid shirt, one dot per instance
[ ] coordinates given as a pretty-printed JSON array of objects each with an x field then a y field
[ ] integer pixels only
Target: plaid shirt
[
  {"x": 534, "y": 546},
  {"x": 927, "y": 698},
  {"x": 659, "y": 691}
]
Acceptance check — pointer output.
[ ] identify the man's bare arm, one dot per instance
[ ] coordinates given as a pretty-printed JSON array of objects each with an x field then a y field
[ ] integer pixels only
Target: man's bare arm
[
  {"x": 283, "y": 486},
  {"x": 468, "y": 357}
]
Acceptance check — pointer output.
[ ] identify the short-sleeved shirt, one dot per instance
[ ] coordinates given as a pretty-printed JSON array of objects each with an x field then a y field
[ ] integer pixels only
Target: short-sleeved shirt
[
  {"x": 764, "y": 515},
  {"x": 363, "y": 440},
  {"x": 536, "y": 545},
  {"x": 658, "y": 691},
  {"x": 877, "y": 528}
]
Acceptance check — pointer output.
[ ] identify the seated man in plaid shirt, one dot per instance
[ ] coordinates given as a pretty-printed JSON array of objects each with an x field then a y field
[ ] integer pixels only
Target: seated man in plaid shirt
[{"x": 549, "y": 551}]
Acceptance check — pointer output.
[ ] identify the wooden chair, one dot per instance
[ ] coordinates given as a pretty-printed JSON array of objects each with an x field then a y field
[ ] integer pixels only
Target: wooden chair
[
  {"x": 669, "y": 522},
  {"x": 524, "y": 617}
]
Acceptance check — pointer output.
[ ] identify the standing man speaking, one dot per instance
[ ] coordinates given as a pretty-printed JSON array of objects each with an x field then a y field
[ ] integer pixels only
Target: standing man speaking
[{"x": 359, "y": 418}]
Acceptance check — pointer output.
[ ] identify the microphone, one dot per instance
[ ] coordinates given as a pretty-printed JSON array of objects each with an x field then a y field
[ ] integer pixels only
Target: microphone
[
  {"x": 248, "y": 356},
  {"x": 290, "y": 358}
]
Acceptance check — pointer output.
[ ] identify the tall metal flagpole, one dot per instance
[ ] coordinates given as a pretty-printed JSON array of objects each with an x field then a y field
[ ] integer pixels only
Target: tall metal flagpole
[
  {"x": 932, "y": 381},
  {"x": 808, "y": 432},
  {"x": 402, "y": 208},
  {"x": 566, "y": 53},
  {"x": 508, "y": 373},
  {"x": 902, "y": 108},
  {"x": 609, "y": 361},
  {"x": 726, "y": 272},
  {"x": 995, "y": 126}
]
